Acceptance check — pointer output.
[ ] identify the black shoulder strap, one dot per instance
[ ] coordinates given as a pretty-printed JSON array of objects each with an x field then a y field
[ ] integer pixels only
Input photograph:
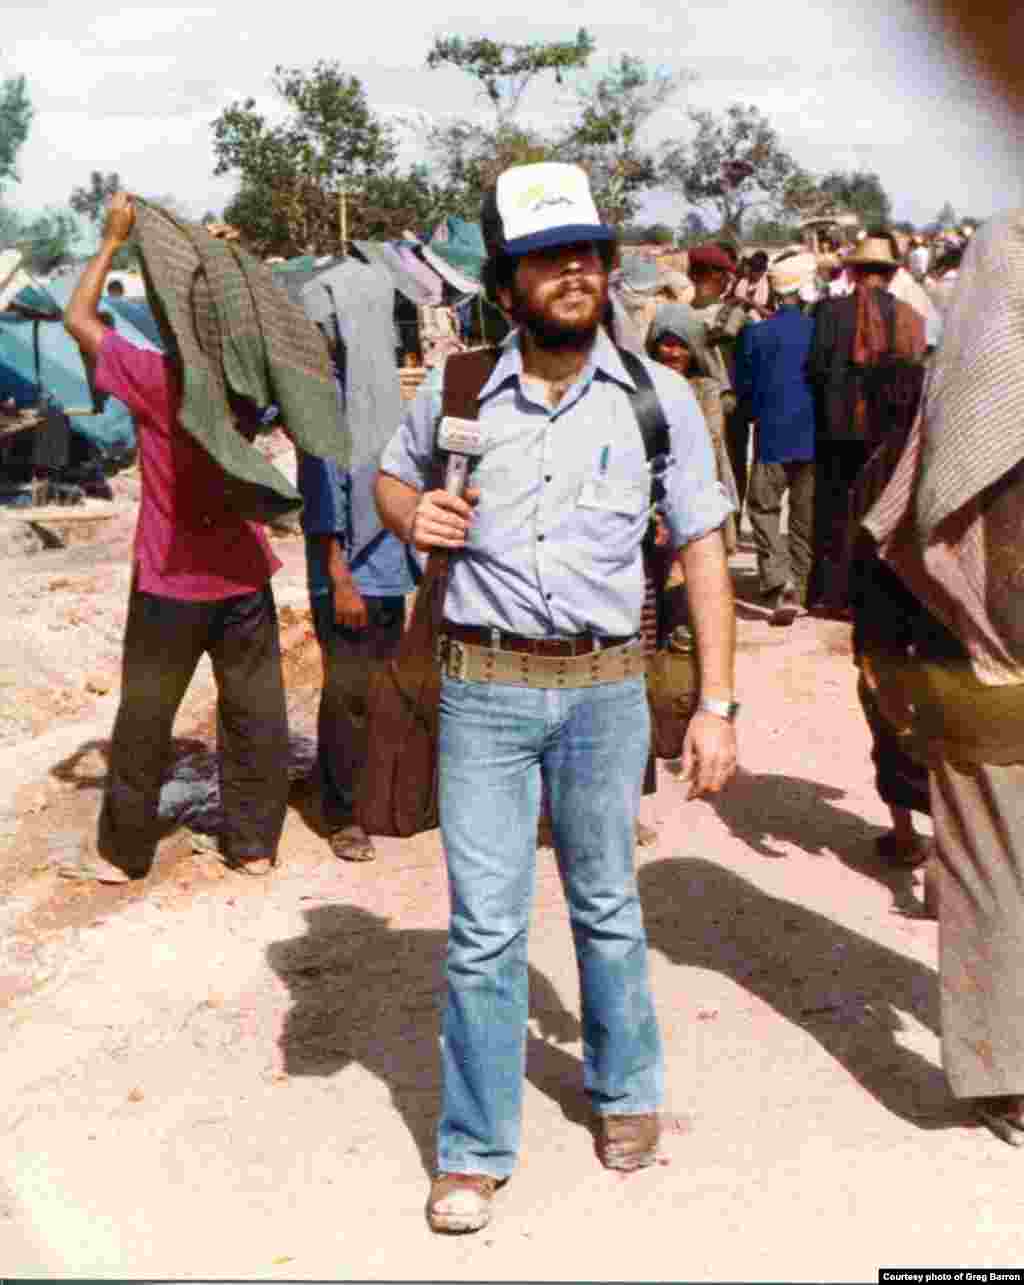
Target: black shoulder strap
[
  {"x": 650, "y": 417},
  {"x": 650, "y": 420}
]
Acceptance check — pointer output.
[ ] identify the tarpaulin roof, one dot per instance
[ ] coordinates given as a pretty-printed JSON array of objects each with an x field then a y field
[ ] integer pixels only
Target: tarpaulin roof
[
  {"x": 62, "y": 375},
  {"x": 137, "y": 313},
  {"x": 61, "y": 372},
  {"x": 295, "y": 273},
  {"x": 460, "y": 244},
  {"x": 21, "y": 293},
  {"x": 459, "y": 280}
]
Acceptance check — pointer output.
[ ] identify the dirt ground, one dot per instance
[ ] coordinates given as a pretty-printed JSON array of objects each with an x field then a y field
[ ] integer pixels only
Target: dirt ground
[{"x": 213, "y": 1076}]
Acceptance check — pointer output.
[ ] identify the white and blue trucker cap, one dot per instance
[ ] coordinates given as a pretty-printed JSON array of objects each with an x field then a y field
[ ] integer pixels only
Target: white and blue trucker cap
[{"x": 536, "y": 207}]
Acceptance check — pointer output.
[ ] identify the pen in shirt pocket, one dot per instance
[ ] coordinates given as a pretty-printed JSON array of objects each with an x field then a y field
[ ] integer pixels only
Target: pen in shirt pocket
[{"x": 605, "y": 452}]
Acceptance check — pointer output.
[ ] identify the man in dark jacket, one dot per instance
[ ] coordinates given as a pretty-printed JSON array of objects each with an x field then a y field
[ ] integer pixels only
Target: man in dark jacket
[
  {"x": 853, "y": 337},
  {"x": 771, "y": 379}
]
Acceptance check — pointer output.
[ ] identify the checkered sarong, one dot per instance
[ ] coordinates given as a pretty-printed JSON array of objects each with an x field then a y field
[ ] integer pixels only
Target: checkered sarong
[{"x": 929, "y": 523}]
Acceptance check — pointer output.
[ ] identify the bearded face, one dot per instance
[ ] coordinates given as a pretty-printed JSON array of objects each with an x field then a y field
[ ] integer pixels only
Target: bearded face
[{"x": 559, "y": 295}]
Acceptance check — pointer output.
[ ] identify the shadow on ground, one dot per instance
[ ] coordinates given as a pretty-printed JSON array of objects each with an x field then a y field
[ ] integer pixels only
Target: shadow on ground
[
  {"x": 364, "y": 992},
  {"x": 845, "y": 990},
  {"x": 765, "y": 810},
  {"x": 190, "y": 793}
]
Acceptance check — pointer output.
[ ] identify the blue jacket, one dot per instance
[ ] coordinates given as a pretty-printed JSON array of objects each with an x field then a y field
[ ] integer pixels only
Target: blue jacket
[{"x": 771, "y": 376}]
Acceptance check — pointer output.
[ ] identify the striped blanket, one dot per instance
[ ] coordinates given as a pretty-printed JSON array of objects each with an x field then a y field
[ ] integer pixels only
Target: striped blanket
[{"x": 238, "y": 336}]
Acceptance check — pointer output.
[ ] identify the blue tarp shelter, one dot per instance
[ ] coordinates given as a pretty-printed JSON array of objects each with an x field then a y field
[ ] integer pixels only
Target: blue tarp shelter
[
  {"x": 39, "y": 357},
  {"x": 461, "y": 244}
]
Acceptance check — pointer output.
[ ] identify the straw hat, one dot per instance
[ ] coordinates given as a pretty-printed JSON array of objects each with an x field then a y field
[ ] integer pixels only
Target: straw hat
[{"x": 873, "y": 251}]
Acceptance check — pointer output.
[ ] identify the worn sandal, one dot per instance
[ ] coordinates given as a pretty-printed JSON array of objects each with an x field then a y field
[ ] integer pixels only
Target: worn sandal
[
  {"x": 1007, "y": 1125},
  {"x": 460, "y": 1202},
  {"x": 255, "y": 867}
]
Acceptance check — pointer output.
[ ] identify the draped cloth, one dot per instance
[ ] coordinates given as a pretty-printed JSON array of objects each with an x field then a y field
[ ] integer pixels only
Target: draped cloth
[
  {"x": 951, "y": 525},
  {"x": 943, "y": 523},
  {"x": 237, "y": 335},
  {"x": 871, "y": 336}
]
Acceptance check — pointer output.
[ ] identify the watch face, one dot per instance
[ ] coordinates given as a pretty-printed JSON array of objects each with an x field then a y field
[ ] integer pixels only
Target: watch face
[{"x": 723, "y": 709}]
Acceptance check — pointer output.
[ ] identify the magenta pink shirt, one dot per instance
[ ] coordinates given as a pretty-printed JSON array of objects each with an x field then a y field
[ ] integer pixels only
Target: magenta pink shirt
[{"x": 188, "y": 545}]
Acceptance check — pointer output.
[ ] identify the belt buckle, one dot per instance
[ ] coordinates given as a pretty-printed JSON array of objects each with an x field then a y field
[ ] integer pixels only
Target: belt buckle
[{"x": 455, "y": 659}]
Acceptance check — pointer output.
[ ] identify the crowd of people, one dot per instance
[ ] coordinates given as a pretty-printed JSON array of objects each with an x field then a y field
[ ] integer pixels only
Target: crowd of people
[{"x": 617, "y": 432}]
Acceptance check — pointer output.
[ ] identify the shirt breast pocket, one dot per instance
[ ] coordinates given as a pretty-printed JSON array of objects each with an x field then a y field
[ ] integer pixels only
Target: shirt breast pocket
[
  {"x": 611, "y": 518},
  {"x": 611, "y": 496}
]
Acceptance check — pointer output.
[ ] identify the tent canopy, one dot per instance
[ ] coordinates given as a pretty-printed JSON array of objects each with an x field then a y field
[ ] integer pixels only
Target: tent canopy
[
  {"x": 461, "y": 244},
  {"x": 61, "y": 373}
]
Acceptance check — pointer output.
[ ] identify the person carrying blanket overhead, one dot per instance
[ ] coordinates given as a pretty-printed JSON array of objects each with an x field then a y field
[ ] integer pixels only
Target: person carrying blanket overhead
[{"x": 234, "y": 345}]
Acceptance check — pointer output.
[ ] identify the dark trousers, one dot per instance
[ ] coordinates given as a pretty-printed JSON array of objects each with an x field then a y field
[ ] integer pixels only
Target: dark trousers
[
  {"x": 164, "y": 640},
  {"x": 738, "y": 426},
  {"x": 782, "y": 560},
  {"x": 837, "y": 465},
  {"x": 349, "y": 657}
]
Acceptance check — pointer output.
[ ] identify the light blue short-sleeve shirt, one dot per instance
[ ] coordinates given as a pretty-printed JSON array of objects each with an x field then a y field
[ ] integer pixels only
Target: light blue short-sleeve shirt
[{"x": 555, "y": 544}]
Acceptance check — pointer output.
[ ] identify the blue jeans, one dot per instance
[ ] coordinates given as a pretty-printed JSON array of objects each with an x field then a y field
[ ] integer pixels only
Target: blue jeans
[{"x": 497, "y": 743}]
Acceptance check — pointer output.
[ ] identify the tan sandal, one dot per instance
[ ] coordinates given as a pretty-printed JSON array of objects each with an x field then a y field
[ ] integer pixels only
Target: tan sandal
[
  {"x": 352, "y": 844},
  {"x": 460, "y": 1202},
  {"x": 628, "y": 1142}
]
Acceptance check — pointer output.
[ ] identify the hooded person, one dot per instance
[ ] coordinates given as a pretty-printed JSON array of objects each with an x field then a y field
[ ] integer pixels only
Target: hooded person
[
  {"x": 678, "y": 339},
  {"x": 543, "y": 676},
  {"x": 950, "y": 525}
]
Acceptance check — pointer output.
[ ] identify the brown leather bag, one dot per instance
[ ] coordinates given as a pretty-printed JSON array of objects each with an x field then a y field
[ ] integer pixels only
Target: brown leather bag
[{"x": 396, "y": 792}]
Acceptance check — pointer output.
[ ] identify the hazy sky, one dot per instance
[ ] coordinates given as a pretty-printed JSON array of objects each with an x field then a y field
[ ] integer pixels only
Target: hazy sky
[{"x": 848, "y": 85}]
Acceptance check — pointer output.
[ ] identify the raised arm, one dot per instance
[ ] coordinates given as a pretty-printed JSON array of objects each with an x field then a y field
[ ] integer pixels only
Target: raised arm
[{"x": 81, "y": 316}]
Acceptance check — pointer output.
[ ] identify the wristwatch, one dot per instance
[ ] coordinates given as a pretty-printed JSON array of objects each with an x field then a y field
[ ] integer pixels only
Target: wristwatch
[{"x": 722, "y": 709}]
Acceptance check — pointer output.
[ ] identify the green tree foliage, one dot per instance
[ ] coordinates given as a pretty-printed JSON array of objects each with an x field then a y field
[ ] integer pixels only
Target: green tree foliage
[
  {"x": 46, "y": 241},
  {"x": 469, "y": 157},
  {"x": 734, "y": 164},
  {"x": 606, "y": 136},
  {"x": 393, "y": 203},
  {"x": 295, "y": 174},
  {"x": 772, "y": 232},
  {"x": 859, "y": 192},
  {"x": 91, "y": 201},
  {"x": 15, "y": 118},
  {"x": 505, "y": 70},
  {"x": 607, "y": 140}
]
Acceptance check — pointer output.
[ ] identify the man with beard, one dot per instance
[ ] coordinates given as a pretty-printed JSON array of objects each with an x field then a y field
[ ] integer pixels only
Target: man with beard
[{"x": 543, "y": 677}]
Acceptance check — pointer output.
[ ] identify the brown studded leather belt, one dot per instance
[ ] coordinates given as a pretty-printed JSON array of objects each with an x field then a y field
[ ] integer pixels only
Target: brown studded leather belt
[{"x": 578, "y": 645}]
